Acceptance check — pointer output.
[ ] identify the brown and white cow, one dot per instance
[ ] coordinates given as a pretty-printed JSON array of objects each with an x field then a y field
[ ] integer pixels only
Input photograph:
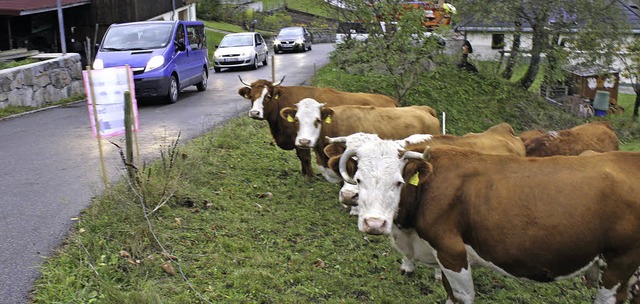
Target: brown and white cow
[
  {"x": 543, "y": 219},
  {"x": 314, "y": 121},
  {"x": 498, "y": 139},
  {"x": 597, "y": 136},
  {"x": 268, "y": 98}
]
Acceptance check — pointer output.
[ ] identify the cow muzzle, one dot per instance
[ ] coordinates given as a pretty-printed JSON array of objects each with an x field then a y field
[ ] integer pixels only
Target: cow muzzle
[
  {"x": 349, "y": 197},
  {"x": 255, "y": 114},
  {"x": 373, "y": 225},
  {"x": 304, "y": 143}
]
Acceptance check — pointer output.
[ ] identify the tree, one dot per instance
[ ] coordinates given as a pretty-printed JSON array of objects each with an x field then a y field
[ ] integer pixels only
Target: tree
[
  {"x": 398, "y": 45},
  {"x": 631, "y": 61},
  {"x": 597, "y": 20}
]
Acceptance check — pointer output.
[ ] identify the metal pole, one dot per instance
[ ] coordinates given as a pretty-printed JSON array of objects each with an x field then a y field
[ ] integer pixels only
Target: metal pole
[{"x": 63, "y": 39}]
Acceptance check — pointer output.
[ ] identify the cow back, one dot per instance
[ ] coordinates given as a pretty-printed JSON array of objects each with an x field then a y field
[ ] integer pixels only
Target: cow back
[
  {"x": 559, "y": 222},
  {"x": 596, "y": 136}
]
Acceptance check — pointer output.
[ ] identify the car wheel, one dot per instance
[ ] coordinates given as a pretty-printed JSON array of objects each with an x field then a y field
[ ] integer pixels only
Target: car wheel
[
  {"x": 172, "y": 96},
  {"x": 309, "y": 47},
  {"x": 216, "y": 69},
  {"x": 202, "y": 85},
  {"x": 255, "y": 63},
  {"x": 265, "y": 62},
  {"x": 304, "y": 47}
]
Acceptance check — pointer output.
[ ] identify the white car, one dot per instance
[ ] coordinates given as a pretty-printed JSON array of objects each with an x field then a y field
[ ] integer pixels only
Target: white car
[{"x": 240, "y": 50}]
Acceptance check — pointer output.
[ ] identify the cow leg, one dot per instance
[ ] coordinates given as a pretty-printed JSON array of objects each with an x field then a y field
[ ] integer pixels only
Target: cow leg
[
  {"x": 452, "y": 257},
  {"x": 413, "y": 249},
  {"x": 617, "y": 278},
  {"x": 305, "y": 159}
]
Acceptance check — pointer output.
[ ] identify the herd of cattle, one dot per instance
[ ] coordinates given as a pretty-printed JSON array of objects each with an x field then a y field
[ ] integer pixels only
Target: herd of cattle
[{"x": 542, "y": 206}]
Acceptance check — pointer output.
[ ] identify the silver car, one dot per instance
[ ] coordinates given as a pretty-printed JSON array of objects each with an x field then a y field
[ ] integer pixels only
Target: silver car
[
  {"x": 294, "y": 38},
  {"x": 240, "y": 50}
]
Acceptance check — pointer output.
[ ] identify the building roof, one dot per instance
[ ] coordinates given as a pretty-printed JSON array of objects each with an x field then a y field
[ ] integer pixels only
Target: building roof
[
  {"x": 22, "y": 7},
  {"x": 629, "y": 9}
]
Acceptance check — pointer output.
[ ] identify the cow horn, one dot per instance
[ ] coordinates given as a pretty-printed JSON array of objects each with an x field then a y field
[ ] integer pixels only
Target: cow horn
[
  {"x": 334, "y": 140},
  {"x": 412, "y": 155},
  {"x": 279, "y": 82},
  {"x": 343, "y": 165},
  {"x": 245, "y": 84},
  {"x": 427, "y": 153}
]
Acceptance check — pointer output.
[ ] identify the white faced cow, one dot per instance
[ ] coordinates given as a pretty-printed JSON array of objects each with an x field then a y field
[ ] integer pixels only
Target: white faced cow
[
  {"x": 314, "y": 121},
  {"x": 267, "y": 99},
  {"x": 543, "y": 219}
]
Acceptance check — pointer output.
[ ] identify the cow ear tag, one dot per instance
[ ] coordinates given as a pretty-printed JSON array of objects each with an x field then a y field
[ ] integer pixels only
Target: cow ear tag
[
  {"x": 414, "y": 179},
  {"x": 289, "y": 118},
  {"x": 328, "y": 119}
]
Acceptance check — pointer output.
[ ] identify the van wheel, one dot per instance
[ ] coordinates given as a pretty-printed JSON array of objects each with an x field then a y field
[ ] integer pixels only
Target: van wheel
[
  {"x": 216, "y": 69},
  {"x": 202, "y": 85},
  {"x": 172, "y": 97},
  {"x": 255, "y": 63},
  {"x": 266, "y": 59}
]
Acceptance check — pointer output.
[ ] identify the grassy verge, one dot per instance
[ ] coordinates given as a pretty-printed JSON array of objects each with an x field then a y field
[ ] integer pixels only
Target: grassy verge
[
  {"x": 236, "y": 217},
  {"x": 246, "y": 228},
  {"x": 13, "y": 110}
]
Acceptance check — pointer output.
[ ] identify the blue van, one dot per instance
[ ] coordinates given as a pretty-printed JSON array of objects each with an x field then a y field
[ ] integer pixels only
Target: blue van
[{"x": 165, "y": 56}]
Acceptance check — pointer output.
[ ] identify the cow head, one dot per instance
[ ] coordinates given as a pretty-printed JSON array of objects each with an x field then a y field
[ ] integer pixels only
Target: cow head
[
  {"x": 349, "y": 192},
  {"x": 380, "y": 178},
  {"x": 262, "y": 94},
  {"x": 309, "y": 116}
]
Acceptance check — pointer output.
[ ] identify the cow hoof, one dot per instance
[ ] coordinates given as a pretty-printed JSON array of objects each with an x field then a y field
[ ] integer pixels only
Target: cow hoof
[{"x": 407, "y": 274}]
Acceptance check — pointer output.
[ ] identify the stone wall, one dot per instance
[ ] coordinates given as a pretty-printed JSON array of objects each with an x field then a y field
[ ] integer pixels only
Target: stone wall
[
  {"x": 323, "y": 35},
  {"x": 42, "y": 83}
]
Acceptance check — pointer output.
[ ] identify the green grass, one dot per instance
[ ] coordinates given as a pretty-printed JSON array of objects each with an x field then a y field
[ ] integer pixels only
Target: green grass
[
  {"x": 13, "y": 109},
  {"x": 298, "y": 246},
  {"x": 246, "y": 228}
]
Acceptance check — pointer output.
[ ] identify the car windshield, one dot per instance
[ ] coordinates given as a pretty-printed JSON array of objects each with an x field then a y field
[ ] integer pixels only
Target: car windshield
[
  {"x": 138, "y": 36},
  {"x": 236, "y": 40},
  {"x": 290, "y": 31}
]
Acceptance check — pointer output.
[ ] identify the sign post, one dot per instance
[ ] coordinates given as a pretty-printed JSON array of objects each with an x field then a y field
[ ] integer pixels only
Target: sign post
[{"x": 107, "y": 91}]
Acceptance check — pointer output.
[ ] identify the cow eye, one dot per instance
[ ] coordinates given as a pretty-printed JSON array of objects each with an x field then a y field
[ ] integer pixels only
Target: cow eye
[
  {"x": 357, "y": 181},
  {"x": 317, "y": 122},
  {"x": 399, "y": 184}
]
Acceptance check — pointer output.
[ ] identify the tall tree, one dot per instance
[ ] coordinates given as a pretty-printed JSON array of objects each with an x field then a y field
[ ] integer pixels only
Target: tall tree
[
  {"x": 398, "y": 43},
  {"x": 593, "y": 20}
]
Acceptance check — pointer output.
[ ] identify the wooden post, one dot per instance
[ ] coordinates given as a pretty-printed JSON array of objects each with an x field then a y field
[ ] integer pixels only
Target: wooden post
[
  {"x": 128, "y": 133},
  {"x": 105, "y": 179}
]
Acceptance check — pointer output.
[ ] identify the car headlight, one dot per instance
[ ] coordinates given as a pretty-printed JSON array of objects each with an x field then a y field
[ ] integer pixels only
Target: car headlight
[
  {"x": 154, "y": 63},
  {"x": 299, "y": 41},
  {"x": 277, "y": 41},
  {"x": 98, "y": 64}
]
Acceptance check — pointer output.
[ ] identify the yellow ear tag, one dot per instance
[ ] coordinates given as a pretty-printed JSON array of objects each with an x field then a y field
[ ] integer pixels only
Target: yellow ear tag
[
  {"x": 328, "y": 119},
  {"x": 289, "y": 118},
  {"x": 414, "y": 180}
]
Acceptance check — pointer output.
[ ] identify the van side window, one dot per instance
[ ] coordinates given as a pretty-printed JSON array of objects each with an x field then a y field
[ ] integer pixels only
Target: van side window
[
  {"x": 197, "y": 37},
  {"x": 180, "y": 34}
]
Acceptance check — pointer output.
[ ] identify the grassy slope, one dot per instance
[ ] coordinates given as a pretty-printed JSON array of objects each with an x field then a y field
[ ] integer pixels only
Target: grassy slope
[{"x": 296, "y": 245}]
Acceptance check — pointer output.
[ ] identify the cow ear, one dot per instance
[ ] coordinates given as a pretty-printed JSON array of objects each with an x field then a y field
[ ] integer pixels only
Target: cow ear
[
  {"x": 416, "y": 172},
  {"x": 244, "y": 92},
  {"x": 326, "y": 114},
  {"x": 288, "y": 114},
  {"x": 276, "y": 92},
  {"x": 334, "y": 149},
  {"x": 334, "y": 164}
]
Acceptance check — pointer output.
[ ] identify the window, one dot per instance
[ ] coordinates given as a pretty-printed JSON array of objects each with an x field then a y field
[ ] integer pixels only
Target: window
[
  {"x": 197, "y": 37},
  {"x": 497, "y": 41}
]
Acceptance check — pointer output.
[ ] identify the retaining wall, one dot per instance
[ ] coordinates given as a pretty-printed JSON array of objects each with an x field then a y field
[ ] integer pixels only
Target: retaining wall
[{"x": 41, "y": 83}]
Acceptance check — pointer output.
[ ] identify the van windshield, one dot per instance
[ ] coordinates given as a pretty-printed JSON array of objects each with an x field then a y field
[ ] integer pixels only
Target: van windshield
[
  {"x": 137, "y": 37},
  {"x": 236, "y": 40}
]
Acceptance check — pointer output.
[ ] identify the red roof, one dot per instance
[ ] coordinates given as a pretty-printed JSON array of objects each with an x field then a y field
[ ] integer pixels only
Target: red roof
[{"x": 22, "y": 7}]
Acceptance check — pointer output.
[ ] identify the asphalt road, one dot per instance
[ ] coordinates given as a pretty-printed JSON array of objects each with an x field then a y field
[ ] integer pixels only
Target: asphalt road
[{"x": 51, "y": 166}]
